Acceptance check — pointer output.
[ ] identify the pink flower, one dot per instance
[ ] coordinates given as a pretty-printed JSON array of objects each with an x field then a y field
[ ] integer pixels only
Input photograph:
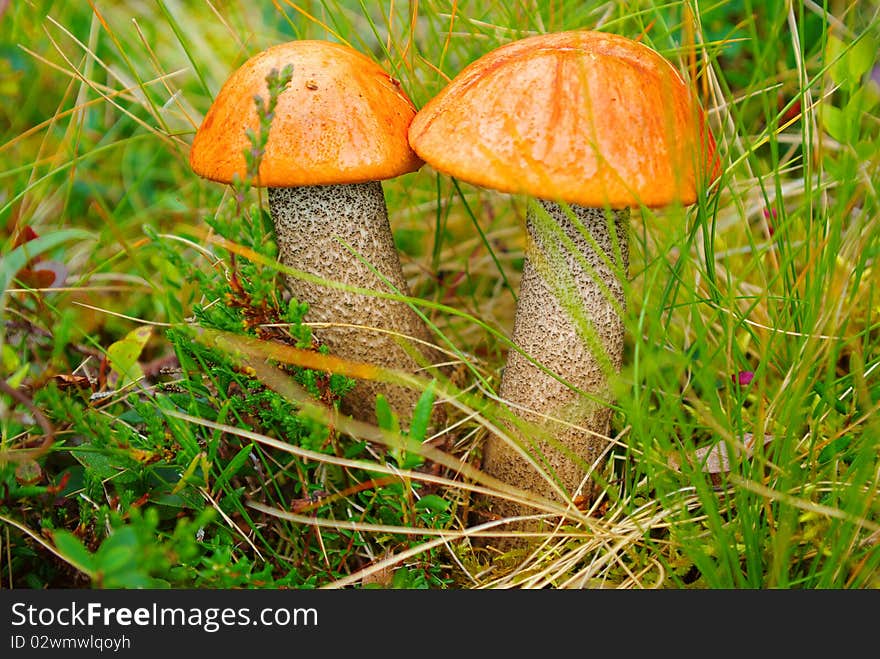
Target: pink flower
[
  {"x": 770, "y": 215},
  {"x": 743, "y": 378}
]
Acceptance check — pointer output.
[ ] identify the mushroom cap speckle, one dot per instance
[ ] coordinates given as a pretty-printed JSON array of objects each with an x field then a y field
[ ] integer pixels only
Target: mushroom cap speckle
[
  {"x": 583, "y": 117},
  {"x": 342, "y": 119}
]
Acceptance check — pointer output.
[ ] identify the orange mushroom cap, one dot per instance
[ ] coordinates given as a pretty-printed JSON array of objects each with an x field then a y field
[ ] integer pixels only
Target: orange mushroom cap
[
  {"x": 342, "y": 119},
  {"x": 584, "y": 117}
]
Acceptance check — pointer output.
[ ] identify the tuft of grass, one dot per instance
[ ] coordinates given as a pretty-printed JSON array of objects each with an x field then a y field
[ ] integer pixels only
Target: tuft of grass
[{"x": 167, "y": 419}]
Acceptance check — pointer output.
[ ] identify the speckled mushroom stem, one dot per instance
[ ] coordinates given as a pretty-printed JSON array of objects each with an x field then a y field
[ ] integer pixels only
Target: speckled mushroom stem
[
  {"x": 546, "y": 331},
  {"x": 309, "y": 223}
]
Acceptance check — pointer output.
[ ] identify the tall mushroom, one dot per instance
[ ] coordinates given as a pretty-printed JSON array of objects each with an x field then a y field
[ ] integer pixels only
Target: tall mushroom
[
  {"x": 602, "y": 123},
  {"x": 338, "y": 129}
]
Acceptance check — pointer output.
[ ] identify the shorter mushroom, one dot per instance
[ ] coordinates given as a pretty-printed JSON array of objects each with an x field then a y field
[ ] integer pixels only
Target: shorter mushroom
[
  {"x": 600, "y": 122},
  {"x": 338, "y": 130}
]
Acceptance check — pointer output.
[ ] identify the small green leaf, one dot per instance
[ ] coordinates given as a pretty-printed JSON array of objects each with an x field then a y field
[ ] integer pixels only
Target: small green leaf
[
  {"x": 834, "y": 48},
  {"x": 401, "y": 579},
  {"x": 849, "y": 63},
  {"x": 835, "y": 448},
  {"x": 418, "y": 428},
  {"x": 98, "y": 464},
  {"x": 124, "y": 354},
  {"x": 9, "y": 358},
  {"x": 860, "y": 58},
  {"x": 835, "y": 123},
  {"x": 73, "y": 551},
  {"x": 355, "y": 449},
  {"x": 385, "y": 417},
  {"x": 115, "y": 553},
  {"x": 862, "y": 101},
  {"x": 433, "y": 503},
  {"x": 830, "y": 397},
  {"x": 409, "y": 459},
  {"x": 233, "y": 467},
  {"x": 19, "y": 375}
]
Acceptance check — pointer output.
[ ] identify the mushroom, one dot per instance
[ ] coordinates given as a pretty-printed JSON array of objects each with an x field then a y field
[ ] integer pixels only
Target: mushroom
[
  {"x": 602, "y": 123},
  {"x": 338, "y": 130}
]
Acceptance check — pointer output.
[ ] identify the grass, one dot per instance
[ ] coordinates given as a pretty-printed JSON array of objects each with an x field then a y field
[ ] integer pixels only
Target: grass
[{"x": 146, "y": 442}]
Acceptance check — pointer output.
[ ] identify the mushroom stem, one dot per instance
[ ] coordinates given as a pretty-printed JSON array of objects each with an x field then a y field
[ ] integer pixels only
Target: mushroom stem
[
  {"x": 560, "y": 283},
  {"x": 309, "y": 223}
]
